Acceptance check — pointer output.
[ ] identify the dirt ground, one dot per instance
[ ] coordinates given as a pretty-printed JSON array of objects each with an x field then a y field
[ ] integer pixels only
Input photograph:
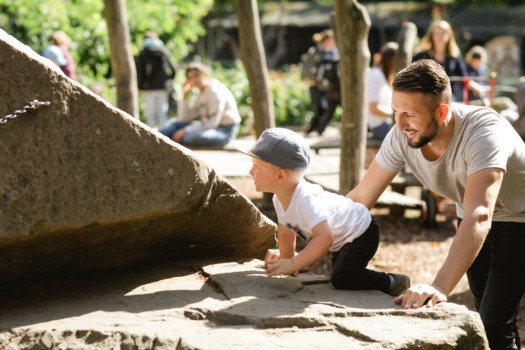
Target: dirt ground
[{"x": 406, "y": 246}]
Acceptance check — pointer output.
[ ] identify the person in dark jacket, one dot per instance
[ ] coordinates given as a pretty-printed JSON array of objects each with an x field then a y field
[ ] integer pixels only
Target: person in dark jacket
[
  {"x": 328, "y": 82},
  {"x": 155, "y": 73}
]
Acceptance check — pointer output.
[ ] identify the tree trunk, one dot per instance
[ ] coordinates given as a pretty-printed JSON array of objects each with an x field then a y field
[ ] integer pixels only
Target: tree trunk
[
  {"x": 254, "y": 62},
  {"x": 405, "y": 38},
  {"x": 352, "y": 27},
  {"x": 122, "y": 62}
]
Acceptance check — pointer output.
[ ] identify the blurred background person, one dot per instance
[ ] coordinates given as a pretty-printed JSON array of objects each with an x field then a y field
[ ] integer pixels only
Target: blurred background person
[
  {"x": 59, "y": 53},
  {"x": 380, "y": 77},
  {"x": 155, "y": 74},
  {"x": 63, "y": 41},
  {"x": 55, "y": 55},
  {"x": 476, "y": 65},
  {"x": 211, "y": 118},
  {"x": 328, "y": 82},
  {"x": 310, "y": 61},
  {"x": 439, "y": 44}
]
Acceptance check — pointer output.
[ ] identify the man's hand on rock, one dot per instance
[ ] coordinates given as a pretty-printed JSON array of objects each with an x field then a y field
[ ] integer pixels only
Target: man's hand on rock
[{"x": 421, "y": 295}]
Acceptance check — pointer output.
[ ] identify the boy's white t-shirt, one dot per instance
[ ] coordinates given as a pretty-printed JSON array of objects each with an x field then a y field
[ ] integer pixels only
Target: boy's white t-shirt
[{"x": 312, "y": 205}]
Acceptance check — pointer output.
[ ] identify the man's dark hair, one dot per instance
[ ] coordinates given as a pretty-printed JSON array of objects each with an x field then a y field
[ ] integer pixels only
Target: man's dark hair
[{"x": 427, "y": 77}]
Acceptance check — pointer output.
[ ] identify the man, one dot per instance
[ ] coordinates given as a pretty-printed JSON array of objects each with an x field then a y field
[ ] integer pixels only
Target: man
[
  {"x": 210, "y": 118},
  {"x": 474, "y": 157}
]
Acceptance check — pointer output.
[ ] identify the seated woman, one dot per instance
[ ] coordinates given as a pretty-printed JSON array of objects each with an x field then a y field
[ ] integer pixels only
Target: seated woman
[
  {"x": 212, "y": 117},
  {"x": 380, "y": 92}
]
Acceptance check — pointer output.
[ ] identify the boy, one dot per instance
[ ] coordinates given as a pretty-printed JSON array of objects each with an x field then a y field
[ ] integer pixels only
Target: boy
[{"x": 325, "y": 220}]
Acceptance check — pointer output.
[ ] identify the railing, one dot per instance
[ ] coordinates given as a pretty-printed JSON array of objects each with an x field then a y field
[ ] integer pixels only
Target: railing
[{"x": 484, "y": 90}]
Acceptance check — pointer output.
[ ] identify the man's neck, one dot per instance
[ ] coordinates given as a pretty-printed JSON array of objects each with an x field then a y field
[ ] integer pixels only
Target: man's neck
[{"x": 435, "y": 148}]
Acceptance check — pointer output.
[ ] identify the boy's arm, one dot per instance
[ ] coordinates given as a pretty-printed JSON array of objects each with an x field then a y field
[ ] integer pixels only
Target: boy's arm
[
  {"x": 286, "y": 245},
  {"x": 315, "y": 249},
  {"x": 286, "y": 239}
]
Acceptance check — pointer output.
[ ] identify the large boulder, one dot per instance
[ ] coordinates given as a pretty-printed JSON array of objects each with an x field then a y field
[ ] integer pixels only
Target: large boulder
[{"x": 86, "y": 186}]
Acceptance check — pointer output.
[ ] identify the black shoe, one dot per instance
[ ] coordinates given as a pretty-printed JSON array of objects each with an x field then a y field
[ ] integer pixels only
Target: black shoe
[{"x": 400, "y": 284}]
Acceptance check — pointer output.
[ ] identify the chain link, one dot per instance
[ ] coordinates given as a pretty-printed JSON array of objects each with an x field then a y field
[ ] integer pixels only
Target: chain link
[{"x": 33, "y": 105}]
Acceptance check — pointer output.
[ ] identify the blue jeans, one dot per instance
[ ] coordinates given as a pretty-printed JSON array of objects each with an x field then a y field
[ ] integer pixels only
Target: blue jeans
[
  {"x": 327, "y": 115},
  {"x": 201, "y": 137},
  {"x": 349, "y": 264},
  {"x": 156, "y": 107},
  {"x": 497, "y": 281},
  {"x": 380, "y": 131},
  {"x": 320, "y": 104}
]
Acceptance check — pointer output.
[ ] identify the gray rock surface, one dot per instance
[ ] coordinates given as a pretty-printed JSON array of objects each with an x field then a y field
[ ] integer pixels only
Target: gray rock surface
[
  {"x": 227, "y": 306},
  {"x": 85, "y": 186}
]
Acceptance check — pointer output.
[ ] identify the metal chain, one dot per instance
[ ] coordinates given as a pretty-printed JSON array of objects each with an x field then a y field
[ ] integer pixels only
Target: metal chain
[{"x": 33, "y": 105}]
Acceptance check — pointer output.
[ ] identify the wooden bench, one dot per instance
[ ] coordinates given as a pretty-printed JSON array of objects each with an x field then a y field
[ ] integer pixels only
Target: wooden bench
[
  {"x": 226, "y": 147},
  {"x": 336, "y": 143}
]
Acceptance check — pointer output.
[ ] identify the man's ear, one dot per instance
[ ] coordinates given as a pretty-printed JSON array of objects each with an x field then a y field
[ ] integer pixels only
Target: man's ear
[{"x": 442, "y": 112}]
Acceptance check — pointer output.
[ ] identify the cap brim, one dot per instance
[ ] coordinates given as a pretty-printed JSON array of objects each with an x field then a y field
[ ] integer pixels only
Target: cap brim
[{"x": 245, "y": 151}]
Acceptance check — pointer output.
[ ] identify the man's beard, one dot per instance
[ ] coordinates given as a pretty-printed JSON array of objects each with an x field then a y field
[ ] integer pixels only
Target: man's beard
[{"x": 427, "y": 135}]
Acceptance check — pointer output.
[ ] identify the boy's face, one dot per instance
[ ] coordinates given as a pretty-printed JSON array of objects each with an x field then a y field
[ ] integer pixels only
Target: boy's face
[
  {"x": 475, "y": 63},
  {"x": 264, "y": 175}
]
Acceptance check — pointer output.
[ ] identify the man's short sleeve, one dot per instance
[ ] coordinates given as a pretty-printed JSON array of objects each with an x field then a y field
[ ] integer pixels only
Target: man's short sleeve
[{"x": 390, "y": 155}]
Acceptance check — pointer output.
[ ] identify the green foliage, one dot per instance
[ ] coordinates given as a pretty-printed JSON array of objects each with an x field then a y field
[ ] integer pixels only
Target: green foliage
[
  {"x": 291, "y": 98},
  {"x": 178, "y": 23}
]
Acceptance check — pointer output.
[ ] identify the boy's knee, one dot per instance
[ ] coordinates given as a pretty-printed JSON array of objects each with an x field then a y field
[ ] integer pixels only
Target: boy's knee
[{"x": 343, "y": 281}]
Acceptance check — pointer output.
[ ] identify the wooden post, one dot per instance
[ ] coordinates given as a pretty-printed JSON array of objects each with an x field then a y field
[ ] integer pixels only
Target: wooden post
[
  {"x": 122, "y": 62},
  {"x": 352, "y": 28},
  {"x": 405, "y": 39},
  {"x": 254, "y": 62}
]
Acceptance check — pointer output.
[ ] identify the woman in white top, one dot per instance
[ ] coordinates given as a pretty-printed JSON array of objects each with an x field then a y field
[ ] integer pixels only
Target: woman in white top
[{"x": 380, "y": 92}]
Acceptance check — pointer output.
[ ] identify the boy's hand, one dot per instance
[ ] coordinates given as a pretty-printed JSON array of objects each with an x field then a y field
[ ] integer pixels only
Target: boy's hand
[
  {"x": 186, "y": 88},
  {"x": 276, "y": 267},
  {"x": 271, "y": 254}
]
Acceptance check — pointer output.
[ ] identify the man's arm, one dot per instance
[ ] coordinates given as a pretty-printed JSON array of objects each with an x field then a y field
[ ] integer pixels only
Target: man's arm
[
  {"x": 371, "y": 186},
  {"x": 480, "y": 197}
]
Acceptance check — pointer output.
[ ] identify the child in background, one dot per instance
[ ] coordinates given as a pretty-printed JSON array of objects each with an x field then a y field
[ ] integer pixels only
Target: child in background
[{"x": 325, "y": 220}]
